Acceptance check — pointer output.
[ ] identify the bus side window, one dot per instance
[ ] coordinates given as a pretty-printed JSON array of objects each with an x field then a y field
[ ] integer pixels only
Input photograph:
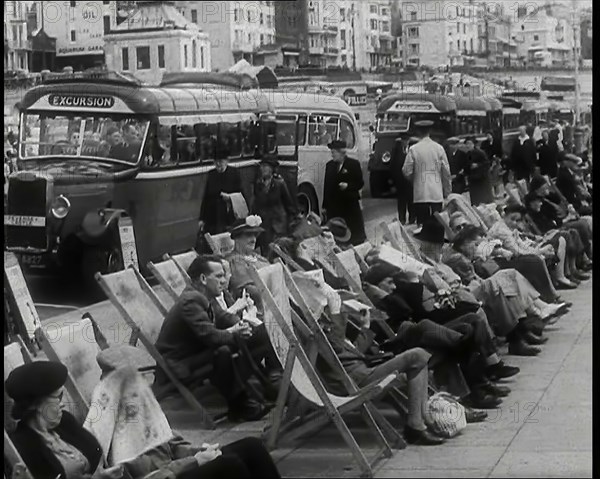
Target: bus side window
[
  {"x": 207, "y": 137},
  {"x": 322, "y": 130},
  {"x": 163, "y": 152},
  {"x": 230, "y": 136},
  {"x": 248, "y": 144},
  {"x": 347, "y": 133},
  {"x": 185, "y": 144}
]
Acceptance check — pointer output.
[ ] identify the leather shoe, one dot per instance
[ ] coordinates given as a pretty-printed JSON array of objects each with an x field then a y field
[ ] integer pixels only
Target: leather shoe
[
  {"x": 501, "y": 371},
  {"x": 479, "y": 399},
  {"x": 586, "y": 267},
  {"x": 422, "y": 438},
  {"x": 573, "y": 279},
  {"x": 500, "y": 391},
  {"x": 474, "y": 415},
  {"x": 521, "y": 348},
  {"x": 565, "y": 284},
  {"x": 534, "y": 339},
  {"x": 580, "y": 275}
]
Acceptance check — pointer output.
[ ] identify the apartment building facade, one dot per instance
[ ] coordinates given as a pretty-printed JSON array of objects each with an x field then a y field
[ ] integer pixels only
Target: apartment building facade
[
  {"x": 237, "y": 30},
  {"x": 346, "y": 33},
  {"x": 17, "y": 46},
  {"x": 156, "y": 39}
]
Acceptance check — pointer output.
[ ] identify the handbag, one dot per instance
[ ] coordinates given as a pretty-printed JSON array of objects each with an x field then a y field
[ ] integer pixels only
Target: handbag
[
  {"x": 486, "y": 268},
  {"x": 444, "y": 415}
]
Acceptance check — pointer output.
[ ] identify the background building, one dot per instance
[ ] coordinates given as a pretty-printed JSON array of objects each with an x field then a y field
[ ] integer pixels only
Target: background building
[
  {"x": 154, "y": 39},
  {"x": 17, "y": 47},
  {"x": 237, "y": 30}
]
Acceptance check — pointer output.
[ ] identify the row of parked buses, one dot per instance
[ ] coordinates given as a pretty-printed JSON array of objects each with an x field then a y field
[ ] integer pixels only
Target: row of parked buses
[
  {"x": 459, "y": 116},
  {"x": 74, "y": 181}
]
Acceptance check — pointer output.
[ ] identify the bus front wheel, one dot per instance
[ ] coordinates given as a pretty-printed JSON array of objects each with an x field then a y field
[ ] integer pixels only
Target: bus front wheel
[
  {"x": 97, "y": 259},
  {"x": 307, "y": 200}
]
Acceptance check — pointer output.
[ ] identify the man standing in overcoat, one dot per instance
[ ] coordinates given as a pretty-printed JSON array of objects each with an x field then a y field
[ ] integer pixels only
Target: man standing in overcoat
[
  {"x": 341, "y": 191},
  {"x": 427, "y": 167}
]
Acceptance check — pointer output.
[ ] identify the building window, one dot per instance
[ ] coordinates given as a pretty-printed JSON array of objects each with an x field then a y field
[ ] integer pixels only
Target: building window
[
  {"x": 536, "y": 38},
  {"x": 458, "y": 45},
  {"x": 413, "y": 32},
  {"x": 342, "y": 14},
  {"x": 236, "y": 16},
  {"x": 414, "y": 48},
  {"x": 374, "y": 25},
  {"x": 125, "y": 58},
  {"x": 161, "y": 56},
  {"x": 143, "y": 58},
  {"x": 384, "y": 12},
  {"x": 202, "y": 57},
  {"x": 262, "y": 39},
  {"x": 248, "y": 16},
  {"x": 194, "y": 16},
  {"x": 73, "y": 36},
  {"x": 249, "y": 38},
  {"x": 343, "y": 39},
  {"x": 385, "y": 26},
  {"x": 262, "y": 19},
  {"x": 106, "y": 3},
  {"x": 464, "y": 28},
  {"x": 185, "y": 56},
  {"x": 372, "y": 8},
  {"x": 413, "y": 15},
  {"x": 73, "y": 4},
  {"x": 106, "y": 24},
  {"x": 194, "y": 60},
  {"x": 450, "y": 46},
  {"x": 457, "y": 27},
  {"x": 471, "y": 45}
]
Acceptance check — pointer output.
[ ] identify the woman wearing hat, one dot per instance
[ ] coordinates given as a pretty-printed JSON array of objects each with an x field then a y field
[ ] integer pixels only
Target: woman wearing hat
[
  {"x": 220, "y": 183},
  {"x": 341, "y": 191},
  {"x": 54, "y": 445},
  {"x": 477, "y": 166},
  {"x": 272, "y": 202}
]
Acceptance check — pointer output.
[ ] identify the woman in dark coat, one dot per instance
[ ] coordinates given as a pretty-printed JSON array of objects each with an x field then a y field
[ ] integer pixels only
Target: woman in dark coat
[
  {"x": 223, "y": 180},
  {"x": 477, "y": 166},
  {"x": 341, "y": 191},
  {"x": 54, "y": 445},
  {"x": 273, "y": 203}
]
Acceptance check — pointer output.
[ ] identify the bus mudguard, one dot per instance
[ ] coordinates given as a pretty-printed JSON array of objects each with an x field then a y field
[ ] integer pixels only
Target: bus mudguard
[{"x": 97, "y": 226}]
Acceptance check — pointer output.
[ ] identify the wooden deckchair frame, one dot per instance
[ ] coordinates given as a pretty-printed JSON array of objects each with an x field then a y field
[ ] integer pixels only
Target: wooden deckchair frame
[
  {"x": 137, "y": 333},
  {"x": 178, "y": 257},
  {"x": 395, "y": 241},
  {"x": 333, "y": 413},
  {"x": 158, "y": 271},
  {"x": 449, "y": 233}
]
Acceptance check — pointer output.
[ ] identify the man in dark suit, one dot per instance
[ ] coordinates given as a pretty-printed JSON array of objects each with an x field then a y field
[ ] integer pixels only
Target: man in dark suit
[
  {"x": 523, "y": 157},
  {"x": 456, "y": 161},
  {"x": 341, "y": 191},
  {"x": 194, "y": 335},
  {"x": 478, "y": 166},
  {"x": 548, "y": 155}
]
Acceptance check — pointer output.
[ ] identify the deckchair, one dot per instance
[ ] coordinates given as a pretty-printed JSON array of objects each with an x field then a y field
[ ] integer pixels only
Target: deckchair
[
  {"x": 300, "y": 373},
  {"x": 522, "y": 188},
  {"x": 395, "y": 233},
  {"x": 75, "y": 346},
  {"x": 183, "y": 260},
  {"x": 170, "y": 276},
  {"x": 144, "y": 313},
  {"x": 467, "y": 210},
  {"x": 220, "y": 244},
  {"x": 15, "y": 355}
]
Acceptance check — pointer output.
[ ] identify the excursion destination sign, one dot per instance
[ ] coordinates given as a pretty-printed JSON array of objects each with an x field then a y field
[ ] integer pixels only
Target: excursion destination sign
[
  {"x": 87, "y": 101},
  {"x": 413, "y": 106}
]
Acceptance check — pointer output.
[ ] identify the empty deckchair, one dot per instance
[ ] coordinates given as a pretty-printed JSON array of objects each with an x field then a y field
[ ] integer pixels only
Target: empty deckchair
[
  {"x": 299, "y": 372},
  {"x": 15, "y": 355},
  {"x": 141, "y": 308},
  {"x": 75, "y": 346},
  {"x": 395, "y": 233},
  {"x": 184, "y": 260},
  {"x": 170, "y": 276},
  {"x": 220, "y": 244}
]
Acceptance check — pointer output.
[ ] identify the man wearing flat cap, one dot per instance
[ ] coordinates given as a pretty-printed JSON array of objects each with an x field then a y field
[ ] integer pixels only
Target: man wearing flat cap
[
  {"x": 427, "y": 167},
  {"x": 456, "y": 161},
  {"x": 341, "y": 191}
]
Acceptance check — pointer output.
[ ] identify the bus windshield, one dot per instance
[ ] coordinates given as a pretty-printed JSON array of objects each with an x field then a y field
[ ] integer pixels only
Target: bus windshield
[
  {"x": 79, "y": 135},
  {"x": 393, "y": 122}
]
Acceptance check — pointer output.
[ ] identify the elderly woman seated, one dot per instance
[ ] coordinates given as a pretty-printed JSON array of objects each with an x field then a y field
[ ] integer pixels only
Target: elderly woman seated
[
  {"x": 133, "y": 433},
  {"x": 507, "y": 297}
]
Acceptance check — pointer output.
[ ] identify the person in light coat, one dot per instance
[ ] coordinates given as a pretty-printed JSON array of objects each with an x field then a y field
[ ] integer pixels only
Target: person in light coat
[{"x": 426, "y": 166}]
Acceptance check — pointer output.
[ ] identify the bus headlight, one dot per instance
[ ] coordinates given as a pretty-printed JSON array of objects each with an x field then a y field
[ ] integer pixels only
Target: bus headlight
[
  {"x": 60, "y": 207},
  {"x": 386, "y": 157}
]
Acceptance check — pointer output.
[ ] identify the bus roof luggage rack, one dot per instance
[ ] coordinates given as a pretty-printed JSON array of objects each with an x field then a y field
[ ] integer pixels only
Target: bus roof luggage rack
[
  {"x": 239, "y": 81},
  {"x": 92, "y": 76}
]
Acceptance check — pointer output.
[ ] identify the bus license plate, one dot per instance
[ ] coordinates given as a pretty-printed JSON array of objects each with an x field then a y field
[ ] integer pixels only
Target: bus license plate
[
  {"x": 32, "y": 259},
  {"x": 19, "y": 220}
]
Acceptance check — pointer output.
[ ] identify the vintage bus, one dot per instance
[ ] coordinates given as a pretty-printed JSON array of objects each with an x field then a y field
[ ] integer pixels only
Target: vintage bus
[
  {"x": 475, "y": 116},
  {"x": 561, "y": 110},
  {"x": 395, "y": 118},
  {"x": 354, "y": 93},
  {"x": 306, "y": 124},
  {"x": 75, "y": 181}
]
